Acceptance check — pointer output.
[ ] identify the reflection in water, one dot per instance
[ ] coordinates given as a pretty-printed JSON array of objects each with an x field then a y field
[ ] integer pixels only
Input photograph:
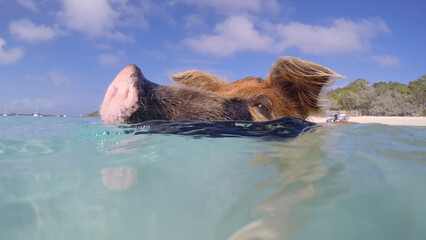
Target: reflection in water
[
  {"x": 298, "y": 169},
  {"x": 334, "y": 183},
  {"x": 119, "y": 178}
]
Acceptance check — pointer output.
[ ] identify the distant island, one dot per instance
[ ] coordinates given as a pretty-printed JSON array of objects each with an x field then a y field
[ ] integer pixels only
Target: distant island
[
  {"x": 31, "y": 115},
  {"x": 93, "y": 114}
]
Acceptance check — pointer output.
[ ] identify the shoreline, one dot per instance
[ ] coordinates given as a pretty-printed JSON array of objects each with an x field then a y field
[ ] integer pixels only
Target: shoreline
[{"x": 397, "y": 121}]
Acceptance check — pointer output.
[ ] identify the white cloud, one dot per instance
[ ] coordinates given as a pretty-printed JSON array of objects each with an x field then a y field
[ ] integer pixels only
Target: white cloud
[
  {"x": 61, "y": 80},
  {"x": 37, "y": 79},
  {"x": 92, "y": 17},
  {"x": 74, "y": 105},
  {"x": 28, "y": 4},
  {"x": 237, "y": 34},
  {"x": 28, "y": 105},
  {"x": 109, "y": 59},
  {"x": 194, "y": 21},
  {"x": 11, "y": 55},
  {"x": 26, "y": 30},
  {"x": 157, "y": 54},
  {"x": 55, "y": 78},
  {"x": 236, "y": 6},
  {"x": 196, "y": 61},
  {"x": 103, "y": 46},
  {"x": 234, "y": 35},
  {"x": 386, "y": 60},
  {"x": 342, "y": 37},
  {"x": 101, "y": 18}
]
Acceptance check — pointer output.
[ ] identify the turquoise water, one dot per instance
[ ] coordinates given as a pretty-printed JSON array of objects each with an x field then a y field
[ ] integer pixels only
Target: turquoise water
[{"x": 73, "y": 178}]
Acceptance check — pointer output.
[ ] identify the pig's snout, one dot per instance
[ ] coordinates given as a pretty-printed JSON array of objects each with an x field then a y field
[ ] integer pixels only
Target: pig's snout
[{"x": 122, "y": 97}]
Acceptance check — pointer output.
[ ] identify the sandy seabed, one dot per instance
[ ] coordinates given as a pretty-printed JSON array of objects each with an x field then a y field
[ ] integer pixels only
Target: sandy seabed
[{"x": 403, "y": 121}]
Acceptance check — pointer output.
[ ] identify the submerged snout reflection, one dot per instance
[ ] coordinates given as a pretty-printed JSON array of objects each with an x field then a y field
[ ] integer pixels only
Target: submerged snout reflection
[{"x": 119, "y": 178}]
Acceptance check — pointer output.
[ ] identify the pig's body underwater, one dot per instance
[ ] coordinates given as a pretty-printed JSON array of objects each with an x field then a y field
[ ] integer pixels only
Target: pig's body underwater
[{"x": 290, "y": 89}]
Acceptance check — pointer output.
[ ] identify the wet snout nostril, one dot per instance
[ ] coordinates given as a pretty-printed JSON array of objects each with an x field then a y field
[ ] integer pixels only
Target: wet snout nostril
[
  {"x": 112, "y": 92},
  {"x": 126, "y": 94},
  {"x": 123, "y": 92}
]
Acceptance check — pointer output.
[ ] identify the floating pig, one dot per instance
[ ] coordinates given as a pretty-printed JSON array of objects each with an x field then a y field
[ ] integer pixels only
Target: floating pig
[{"x": 291, "y": 88}]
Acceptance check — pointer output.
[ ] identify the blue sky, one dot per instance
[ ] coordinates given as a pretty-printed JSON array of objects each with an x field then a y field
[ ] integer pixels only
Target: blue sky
[{"x": 58, "y": 57}]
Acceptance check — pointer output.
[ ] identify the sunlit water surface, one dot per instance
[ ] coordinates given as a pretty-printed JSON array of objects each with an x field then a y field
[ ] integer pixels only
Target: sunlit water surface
[{"x": 74, "y": 178}]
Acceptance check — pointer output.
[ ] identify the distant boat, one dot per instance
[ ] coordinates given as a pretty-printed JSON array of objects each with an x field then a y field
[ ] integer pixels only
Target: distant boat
[
  {"x": 337, "y": 118},
  {"x": 37, "y": 114},
  {"x": 4, "y": 114}
]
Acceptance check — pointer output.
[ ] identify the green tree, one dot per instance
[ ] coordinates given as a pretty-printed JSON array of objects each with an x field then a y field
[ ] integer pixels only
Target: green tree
[
  {"x": 358, "y": 85},
  {"x": 418, "y": 89},
  {"x": 382, "y": 87},
  {"x": 333, "y": 104},
  {"x": 392, "y": 103},
  {"x": 382, "y": 98}
]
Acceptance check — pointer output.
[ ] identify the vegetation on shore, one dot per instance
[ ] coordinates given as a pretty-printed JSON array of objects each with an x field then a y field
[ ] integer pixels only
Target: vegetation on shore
[
  {"x": 381, "y": 98},
  {"x": 93, "y": 114}
]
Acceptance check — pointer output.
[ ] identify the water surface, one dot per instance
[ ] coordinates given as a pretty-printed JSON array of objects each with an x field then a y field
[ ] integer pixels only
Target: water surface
[{"x": 74, "y": 178}]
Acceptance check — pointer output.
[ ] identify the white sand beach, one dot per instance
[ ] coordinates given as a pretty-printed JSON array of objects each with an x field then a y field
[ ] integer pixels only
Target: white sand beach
[{"x": 403, "y": 121}]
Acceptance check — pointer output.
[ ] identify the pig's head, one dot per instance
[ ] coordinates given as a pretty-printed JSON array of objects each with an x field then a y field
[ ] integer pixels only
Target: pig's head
[{"x": 291, "y": 88}]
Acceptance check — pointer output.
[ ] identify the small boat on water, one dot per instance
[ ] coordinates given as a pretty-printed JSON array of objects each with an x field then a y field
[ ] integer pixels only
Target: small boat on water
[
  {"x": 4, "y": 112},
  {"x": 338, "y": 118}
]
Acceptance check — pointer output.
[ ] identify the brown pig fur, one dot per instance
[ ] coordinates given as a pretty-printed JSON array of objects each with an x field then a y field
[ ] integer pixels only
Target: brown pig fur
[{"x": 292, "y": 88}]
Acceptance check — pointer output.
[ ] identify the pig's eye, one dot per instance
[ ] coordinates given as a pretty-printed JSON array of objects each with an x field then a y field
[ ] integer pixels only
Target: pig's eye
[
  {"x": 262, "y": 105},
  {"x": 262, "y": 109}
]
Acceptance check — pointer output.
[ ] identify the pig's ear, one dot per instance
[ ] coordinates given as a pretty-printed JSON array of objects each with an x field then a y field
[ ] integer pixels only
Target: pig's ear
[
  {"x": 198, "y": 79},
  {"x": 300, "y": 82}
]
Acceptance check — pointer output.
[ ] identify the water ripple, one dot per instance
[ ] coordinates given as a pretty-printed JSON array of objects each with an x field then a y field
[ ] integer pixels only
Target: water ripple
[{"x": 285, "y": 127}]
